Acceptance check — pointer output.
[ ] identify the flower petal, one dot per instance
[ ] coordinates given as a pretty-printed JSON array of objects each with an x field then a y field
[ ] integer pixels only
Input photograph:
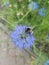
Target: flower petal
[
  {"x": 42, "y": 12},
  {"x": 33, "y": 5}
]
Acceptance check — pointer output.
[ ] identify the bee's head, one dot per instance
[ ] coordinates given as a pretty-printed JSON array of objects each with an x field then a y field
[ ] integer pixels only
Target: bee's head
[{"x": 28, "y": 30}]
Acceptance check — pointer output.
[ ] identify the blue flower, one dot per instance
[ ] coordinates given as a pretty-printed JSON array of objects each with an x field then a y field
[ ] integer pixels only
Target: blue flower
[
  {"x": 33, "y": 5},
  {"x": 47, "y": 63},
  {"x": 6, "y": 4},
  {"x": 22, "y": 39},
  {"x": 42, "y": 12}
]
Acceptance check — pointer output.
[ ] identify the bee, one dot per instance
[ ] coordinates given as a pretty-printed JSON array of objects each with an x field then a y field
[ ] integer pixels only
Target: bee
[{"x": 28, "y": 30}]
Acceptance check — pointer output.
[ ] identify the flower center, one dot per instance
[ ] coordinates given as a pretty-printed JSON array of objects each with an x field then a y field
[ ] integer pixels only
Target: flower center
[
  {"x": 27, "y": 31},
  {"x": 23, "y": 36}
]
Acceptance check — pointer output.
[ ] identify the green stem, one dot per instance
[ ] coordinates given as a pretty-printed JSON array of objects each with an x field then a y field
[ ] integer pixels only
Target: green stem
[
  {"x": 24, "y": 15},
  {"x": 5, "y": 20},
  {"x": 18, "y": 21}
]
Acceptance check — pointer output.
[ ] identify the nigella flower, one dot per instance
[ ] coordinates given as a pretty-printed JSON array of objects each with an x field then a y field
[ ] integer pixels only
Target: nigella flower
[
  {"x": 33, "y": 5},
  {"x": 6, "y": 4},
  {"x": 22, "y": 37},
  {"x": 42, "y": 12},
  {"x": 47, "y": 63}
]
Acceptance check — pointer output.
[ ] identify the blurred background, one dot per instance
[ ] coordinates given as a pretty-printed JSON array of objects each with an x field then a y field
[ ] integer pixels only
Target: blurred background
[{"x": 33, "y": 13}]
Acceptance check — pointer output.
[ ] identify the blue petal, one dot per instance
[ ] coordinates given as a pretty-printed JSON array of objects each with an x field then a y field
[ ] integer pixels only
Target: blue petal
[
  {"x": 15, "y": 37},
  {"x": 20, "y": 44},
  {"x": 42, "y": 12},
  {"x": 6, "y": 4},
  {"x": 33, "y": 5},
  {"x": 32, "y": 38},
  {"x": 27, "y": 45},
  {"x": 28, "y": 40},
  {"x": 20, "y": 29},
  {"x": 47, "y": 63}
]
